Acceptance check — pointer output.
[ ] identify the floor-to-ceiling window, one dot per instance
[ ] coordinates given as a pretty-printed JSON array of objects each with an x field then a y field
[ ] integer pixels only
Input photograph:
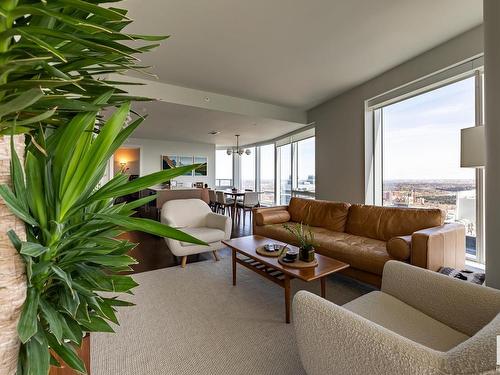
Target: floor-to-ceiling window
[
  {"x": 305, "y": 176},
  {"x": 284, "y": 164},
  {"x": 296, "y": 167},
  {"x": 420, "y": 155},
  {"x": 223, "y": 169},
  {"x": 278, "y": 171},
  {"x": 247, "y": 171},
  {"x": 266, "y": 174}
]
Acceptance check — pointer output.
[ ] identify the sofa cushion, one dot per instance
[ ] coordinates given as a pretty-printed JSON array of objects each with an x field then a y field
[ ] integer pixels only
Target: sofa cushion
[
  {"x": 397, "y": 316},
  {"x": 399, "y": 247},
  {"x": 208, "y": 235},
  {"x": 276, "y": 232},
  {"x": 383, "y": 223},
  {"x": 318, "y": 213},
  {"x": 363, "y": 253},
  {"x": 271, "y": 217}
]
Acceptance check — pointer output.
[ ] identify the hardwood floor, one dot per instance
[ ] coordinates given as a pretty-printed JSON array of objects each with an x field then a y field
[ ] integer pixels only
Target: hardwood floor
[{"x": 152, "y": 252}]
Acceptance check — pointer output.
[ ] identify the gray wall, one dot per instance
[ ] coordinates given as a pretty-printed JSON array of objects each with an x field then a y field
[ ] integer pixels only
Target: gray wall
[
  {"x": 340, "y": 122},
  {"x": 492, "y": 123}
]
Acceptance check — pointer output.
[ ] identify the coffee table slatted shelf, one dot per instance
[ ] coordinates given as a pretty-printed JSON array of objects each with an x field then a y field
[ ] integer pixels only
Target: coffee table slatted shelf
[
  {"x": 244, "y": 253},
  {"x": 268, "y": 272}
]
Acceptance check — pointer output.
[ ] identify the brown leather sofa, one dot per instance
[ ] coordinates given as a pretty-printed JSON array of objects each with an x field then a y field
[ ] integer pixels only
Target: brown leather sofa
[{"x": 367, "y": 237}]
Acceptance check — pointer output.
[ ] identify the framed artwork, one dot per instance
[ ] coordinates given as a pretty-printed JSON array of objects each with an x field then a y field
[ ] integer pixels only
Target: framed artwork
[
  {"x": 202, "y": 171},
  {"x": 173, "y": 161},
  {"x": 185, "y": 160},
  {"x": 168, "y": 161}
]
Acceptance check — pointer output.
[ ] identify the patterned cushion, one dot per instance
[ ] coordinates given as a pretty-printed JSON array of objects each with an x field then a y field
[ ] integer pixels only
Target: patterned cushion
[{"x": 473, "y": 277}]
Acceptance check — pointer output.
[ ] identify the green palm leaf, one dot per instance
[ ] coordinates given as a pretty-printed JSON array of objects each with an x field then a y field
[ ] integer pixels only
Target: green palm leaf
[{"x": 52, "y": 53}]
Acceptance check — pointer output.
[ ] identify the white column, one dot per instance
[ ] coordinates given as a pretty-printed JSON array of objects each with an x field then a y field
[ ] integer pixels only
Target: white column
[
  {"x": 236, "y": 171},
  {"x": 492, "y": 121}
]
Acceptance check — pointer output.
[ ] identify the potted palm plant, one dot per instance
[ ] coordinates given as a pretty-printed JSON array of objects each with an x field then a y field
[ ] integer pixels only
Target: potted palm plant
[
  {"x": 305, "y": 239},
  {"x": 60, "y": 219}
]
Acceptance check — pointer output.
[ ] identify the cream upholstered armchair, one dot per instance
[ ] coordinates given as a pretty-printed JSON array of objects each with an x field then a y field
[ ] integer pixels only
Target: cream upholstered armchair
[
  {"x": 194, "y": 217},
  {"x": 421, "y": 322}
]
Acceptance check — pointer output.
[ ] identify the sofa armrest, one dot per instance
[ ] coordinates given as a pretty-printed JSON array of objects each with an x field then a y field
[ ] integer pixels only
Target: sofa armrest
[
  {"x": 399, "y": 247},
  {"x": 334, "y": 340},
  {"x": 464, "y": 306},
  {"x": 270, "y": 215},
  {"x": 437, "y": 247},
  {"x": 221, "y": 222}
]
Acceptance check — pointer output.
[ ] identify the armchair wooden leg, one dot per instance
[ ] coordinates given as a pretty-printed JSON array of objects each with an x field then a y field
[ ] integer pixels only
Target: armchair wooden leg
[
  {"x": 183, "y": 261},
  {"x": 216, "y": 256}
]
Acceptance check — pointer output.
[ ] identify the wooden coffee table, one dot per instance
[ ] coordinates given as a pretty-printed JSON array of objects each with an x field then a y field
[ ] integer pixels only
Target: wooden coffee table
[{"x": 243, "y": 252}]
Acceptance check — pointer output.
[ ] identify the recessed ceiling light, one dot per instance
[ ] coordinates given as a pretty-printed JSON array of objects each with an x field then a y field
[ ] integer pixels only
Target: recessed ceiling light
[{"x": 214, "y": 132}]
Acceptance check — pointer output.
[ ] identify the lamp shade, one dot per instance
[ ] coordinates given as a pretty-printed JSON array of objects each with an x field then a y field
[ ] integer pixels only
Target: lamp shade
[{"x": 472, "y": 147}]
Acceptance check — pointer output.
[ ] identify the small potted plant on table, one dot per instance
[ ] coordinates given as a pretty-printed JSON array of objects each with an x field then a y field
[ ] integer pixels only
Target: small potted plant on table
[{"x": 305, "y": 238}]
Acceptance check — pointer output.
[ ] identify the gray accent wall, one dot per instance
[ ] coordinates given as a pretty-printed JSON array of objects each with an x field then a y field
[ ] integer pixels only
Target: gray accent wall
[
  {"x": 492, "y": 129},
  {"x": 340, "y": 122}
]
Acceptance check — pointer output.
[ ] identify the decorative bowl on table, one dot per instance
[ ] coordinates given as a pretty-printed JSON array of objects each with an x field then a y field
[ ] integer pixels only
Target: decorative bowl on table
[
  {"x": 290, "y": 256},
  {"x": 271, "y": 247},
  {"x": 272, "y": 250}
]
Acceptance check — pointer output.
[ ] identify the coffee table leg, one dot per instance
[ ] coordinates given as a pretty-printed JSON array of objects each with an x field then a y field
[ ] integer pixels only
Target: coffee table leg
[
  {"x": 234, "y": 266},
  {"x": 323, "y": 287},
  {"x": 287, "y": 298}
]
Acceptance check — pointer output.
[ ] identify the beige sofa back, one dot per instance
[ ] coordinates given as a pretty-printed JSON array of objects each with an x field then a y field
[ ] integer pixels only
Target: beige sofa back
[
  {"x": 318, "y": 213},
  {"x": 384, "y": 223}
]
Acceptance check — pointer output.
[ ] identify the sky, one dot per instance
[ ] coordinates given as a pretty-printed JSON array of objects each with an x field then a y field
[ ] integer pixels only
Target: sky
[
  {"x": 421, "y": 135},
  {"x": 306, "y": 162}
]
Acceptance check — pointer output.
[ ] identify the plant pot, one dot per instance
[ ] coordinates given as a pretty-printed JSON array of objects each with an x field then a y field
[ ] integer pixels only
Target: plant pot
[{"x": 306, "y": 254}]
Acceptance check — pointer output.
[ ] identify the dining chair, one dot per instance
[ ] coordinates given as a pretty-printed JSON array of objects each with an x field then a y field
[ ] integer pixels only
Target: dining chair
[
  {"x": 213, "y": 200},
  {"x": 224, "y": 203},
  {"x": 250, "y": 200}
]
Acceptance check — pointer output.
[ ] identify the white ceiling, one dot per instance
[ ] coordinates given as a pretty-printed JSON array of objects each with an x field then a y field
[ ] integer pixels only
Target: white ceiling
[
  {"x": 182, "y": 123},
  {"x": 293, "y": 53}
]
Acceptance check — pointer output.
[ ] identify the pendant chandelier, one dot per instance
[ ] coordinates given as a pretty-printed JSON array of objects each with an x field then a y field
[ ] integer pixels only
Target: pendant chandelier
[{"x": 238, "y": 150}]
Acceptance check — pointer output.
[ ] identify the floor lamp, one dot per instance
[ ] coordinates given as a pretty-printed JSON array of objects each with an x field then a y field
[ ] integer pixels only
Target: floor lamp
[{"x": 472, "y": 147}]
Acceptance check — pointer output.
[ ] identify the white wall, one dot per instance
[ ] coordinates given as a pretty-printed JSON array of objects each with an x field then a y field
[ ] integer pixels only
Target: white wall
[
  {"x": 340, "y": 122},
  {"x": 152, "y": 150}
]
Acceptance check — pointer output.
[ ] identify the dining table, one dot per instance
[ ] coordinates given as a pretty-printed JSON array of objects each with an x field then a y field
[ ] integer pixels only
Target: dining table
[{"x": 235, "y": 194}]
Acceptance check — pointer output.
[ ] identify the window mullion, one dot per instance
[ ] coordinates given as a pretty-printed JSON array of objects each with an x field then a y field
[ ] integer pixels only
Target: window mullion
[{"x": 480, "y": 246}]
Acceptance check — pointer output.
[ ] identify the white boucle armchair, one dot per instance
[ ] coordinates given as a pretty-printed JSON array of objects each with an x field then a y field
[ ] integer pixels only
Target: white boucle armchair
[
  {"x": 421, "y": 322},
  {"x": 194, "y": 217}
]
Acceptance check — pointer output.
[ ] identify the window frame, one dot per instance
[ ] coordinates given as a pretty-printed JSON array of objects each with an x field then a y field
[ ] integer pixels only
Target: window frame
[
  {"x": 291, "y": 138},
  {"x": 258, "y": 169},
  {"x": 374, "y": 131},
  {"x": 232, "y": 168}
]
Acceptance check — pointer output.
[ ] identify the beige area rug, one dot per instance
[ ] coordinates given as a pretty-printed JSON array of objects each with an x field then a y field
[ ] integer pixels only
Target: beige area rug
[{"x": 193, "y": 321}]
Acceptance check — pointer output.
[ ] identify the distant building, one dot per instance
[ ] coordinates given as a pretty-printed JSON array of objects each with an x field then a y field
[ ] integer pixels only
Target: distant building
[{"x": 466, "y": 209}]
